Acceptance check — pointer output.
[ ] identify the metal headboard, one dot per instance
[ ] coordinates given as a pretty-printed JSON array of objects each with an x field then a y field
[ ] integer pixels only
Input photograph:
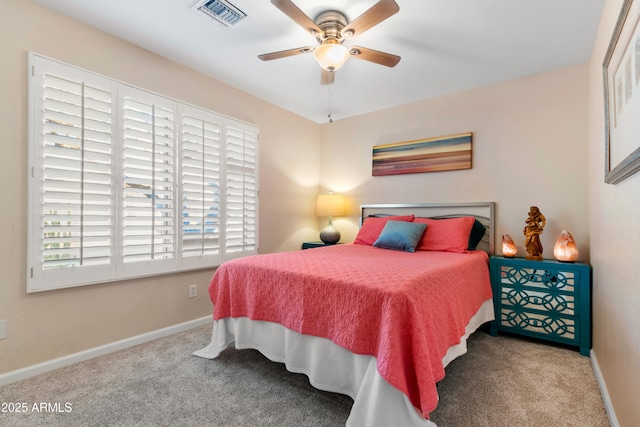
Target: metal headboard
[{"x": 482, "y": 211}]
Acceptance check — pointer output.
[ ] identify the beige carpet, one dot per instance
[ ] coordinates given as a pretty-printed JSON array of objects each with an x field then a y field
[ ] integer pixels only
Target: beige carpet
[{"x": 503, "y": 381}]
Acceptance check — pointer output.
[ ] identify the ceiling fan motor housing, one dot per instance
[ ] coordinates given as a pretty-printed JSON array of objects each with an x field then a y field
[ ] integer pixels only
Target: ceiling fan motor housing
[{"x": 331, "y": 22}]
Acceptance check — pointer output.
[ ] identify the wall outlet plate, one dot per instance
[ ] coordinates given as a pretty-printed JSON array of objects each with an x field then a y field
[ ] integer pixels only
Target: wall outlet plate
[{"x": 193, "y": 291}]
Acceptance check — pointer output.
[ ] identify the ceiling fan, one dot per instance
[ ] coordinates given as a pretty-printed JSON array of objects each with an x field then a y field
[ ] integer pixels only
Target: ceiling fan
[{"x": 331, "y": 28}]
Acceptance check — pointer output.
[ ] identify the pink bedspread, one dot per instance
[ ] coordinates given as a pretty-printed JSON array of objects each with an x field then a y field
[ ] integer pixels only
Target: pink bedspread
[{"x": 406, "y": 309}]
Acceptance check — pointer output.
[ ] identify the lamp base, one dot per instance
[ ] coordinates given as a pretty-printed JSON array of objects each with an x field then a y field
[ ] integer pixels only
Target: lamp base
[{"x": 330, "y": 235}]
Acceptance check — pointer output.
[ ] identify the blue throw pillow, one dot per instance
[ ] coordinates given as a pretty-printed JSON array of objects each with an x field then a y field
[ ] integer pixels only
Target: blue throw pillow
[{"x": 400, "y": 235}]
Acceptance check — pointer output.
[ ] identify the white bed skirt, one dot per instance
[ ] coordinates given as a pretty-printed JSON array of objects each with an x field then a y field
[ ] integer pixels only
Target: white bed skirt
[{"x": 333, "y": 368}]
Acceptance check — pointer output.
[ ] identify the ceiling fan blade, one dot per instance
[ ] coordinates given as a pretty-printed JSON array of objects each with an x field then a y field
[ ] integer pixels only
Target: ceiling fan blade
[
  {"x": 327, "y": 77},
  {"x": 293, "y": 12},
  {"x": 373, "y": 16},
  {"x": 376, "y": 56},
  {"x": 285, "y": 53}
]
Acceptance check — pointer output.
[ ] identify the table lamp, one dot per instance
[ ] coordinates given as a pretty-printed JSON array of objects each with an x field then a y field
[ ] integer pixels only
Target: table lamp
[
  {"x": 509, "y": 249},
  {"x": 330, "y": 205},
  {"x": 565, "y": 248}
]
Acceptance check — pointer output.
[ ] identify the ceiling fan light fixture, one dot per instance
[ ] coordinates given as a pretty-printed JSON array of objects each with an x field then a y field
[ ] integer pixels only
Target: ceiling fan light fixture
[
  {"x": 331, "y": 55},
  {"x": 331, "y": 28}
]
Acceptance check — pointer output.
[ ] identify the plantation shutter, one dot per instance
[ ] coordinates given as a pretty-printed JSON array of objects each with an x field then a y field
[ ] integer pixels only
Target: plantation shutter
[
  {"x": 71, "y": 216},
  {"x": 200, "y": 183},
  {"x": 126, "y": 183},
  {"x": 148, "y": 183},
  {"x": 241, "y": 190}
]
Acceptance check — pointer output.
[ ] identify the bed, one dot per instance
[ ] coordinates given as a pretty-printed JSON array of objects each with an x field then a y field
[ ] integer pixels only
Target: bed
[{"x": 377, "y": 319}]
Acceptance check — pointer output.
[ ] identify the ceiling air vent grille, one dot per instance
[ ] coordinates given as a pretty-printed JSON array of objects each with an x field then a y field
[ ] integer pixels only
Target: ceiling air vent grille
[{"x": 221, "y": 11}]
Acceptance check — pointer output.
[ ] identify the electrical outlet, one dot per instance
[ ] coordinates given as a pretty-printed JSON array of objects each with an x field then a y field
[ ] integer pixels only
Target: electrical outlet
[
  {"x": 3, "y": 329},
  {"x": 193, "y": 291}
]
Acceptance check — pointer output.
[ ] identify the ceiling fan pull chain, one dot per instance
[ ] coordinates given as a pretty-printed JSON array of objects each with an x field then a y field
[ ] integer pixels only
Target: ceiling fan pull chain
[{"x": 330, "y": 104}]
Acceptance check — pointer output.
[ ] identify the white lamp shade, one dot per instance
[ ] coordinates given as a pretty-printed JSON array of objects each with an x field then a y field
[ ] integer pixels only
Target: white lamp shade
[
  {"x": 330, "y": 205},
  {"x": 331, "y": 56}
]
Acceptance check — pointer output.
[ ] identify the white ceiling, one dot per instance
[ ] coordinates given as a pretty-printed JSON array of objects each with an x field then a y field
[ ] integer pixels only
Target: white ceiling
[{"x": 446, "y": 46}]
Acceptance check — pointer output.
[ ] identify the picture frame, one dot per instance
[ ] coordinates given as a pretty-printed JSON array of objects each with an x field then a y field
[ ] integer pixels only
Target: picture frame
[
  {"x": 621, "y": 74},
  {"x": 443, "y": 153}
]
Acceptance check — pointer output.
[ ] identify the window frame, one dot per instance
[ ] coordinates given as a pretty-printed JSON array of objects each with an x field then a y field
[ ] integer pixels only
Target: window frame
[{"x": 40, "y": 279}]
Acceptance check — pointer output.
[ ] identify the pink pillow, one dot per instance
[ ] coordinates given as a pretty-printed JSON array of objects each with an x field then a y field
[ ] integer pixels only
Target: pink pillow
[
  {"x": 372, "y": 227},
  {"x": 448, "y": 235}
]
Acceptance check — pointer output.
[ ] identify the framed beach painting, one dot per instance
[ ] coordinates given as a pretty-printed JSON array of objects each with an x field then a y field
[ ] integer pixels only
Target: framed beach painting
[
  {"x": 443, "y": 153},
  {"x": 621, "y": 69}
]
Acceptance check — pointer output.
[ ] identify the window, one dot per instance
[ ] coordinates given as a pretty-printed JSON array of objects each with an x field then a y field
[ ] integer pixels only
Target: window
[{"x": 126, "y": 183}]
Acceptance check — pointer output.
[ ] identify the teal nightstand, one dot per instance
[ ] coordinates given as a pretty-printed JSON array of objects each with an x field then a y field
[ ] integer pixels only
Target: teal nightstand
[
  {"x": 318, "y": 244},
  {"x": 545, "y": 299}
]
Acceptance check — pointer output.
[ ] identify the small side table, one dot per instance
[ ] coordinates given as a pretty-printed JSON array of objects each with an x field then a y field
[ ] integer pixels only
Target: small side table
[
  {"x": 545, "y": 299},
  {"x": 318, "y": 244}
]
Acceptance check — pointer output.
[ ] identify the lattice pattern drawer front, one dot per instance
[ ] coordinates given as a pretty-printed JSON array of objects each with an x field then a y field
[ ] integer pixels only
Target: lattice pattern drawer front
[
  {"x": 547, "y": 280},
  {"x": 554, "y": 303},
  {"x": 544, "y": 299},
  {"x": 538, "y": 323}
]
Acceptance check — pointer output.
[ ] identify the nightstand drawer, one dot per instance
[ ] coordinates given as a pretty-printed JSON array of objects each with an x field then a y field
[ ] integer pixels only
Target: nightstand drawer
[
  {"x": 546, "y": 302},
  {"x": 536, "y": 323}
]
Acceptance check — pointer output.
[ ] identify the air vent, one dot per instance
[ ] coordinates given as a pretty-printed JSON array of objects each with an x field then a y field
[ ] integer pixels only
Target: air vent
[{"x": 221, "y": 11}]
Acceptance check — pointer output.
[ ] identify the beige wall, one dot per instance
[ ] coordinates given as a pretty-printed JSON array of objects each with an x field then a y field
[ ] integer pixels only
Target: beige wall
[
  {"x": 529, "y": 148},
  {"x": 48, "y": 325},
  {"x": 614, "y": 224}
]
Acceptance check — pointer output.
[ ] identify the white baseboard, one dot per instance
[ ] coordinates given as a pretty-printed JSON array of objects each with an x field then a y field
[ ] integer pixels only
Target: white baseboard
[
  {"x": 41, "y": 368},
  {"x": 608, "y": 406}
]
